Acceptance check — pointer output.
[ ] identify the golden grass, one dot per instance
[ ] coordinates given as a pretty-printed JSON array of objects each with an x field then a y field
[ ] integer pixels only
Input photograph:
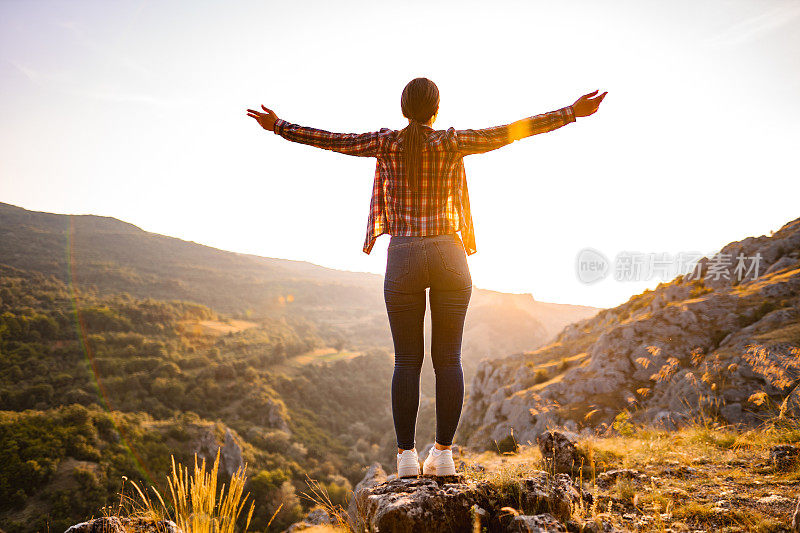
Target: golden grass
[
  {"x": 319, "y": 495},
  {"x": 196, "y": 505}
]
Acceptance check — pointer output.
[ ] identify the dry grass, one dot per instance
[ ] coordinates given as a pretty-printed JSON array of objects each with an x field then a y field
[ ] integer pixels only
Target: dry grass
[
  {"x": 319, "y": 496},
  {"x": 196, "y": 505}
]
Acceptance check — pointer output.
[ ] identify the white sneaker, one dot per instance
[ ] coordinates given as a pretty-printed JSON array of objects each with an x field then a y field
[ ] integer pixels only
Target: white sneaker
[
  {"x": 439, "y": 463},
  {"x": 408, "y": 463}
]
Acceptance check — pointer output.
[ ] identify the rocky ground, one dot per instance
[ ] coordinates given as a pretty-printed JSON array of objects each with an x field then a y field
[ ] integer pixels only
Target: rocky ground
[{"x": 697, "y": 479}]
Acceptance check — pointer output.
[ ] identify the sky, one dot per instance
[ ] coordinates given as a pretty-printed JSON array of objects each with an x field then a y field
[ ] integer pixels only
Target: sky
[{"x": 137, "y": 110}]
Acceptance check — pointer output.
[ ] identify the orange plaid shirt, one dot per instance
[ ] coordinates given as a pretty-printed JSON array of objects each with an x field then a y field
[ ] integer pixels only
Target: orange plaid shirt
[{"x": 440, "y": 204}]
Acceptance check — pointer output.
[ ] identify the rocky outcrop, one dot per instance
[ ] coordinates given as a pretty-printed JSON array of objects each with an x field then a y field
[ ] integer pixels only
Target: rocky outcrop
[
  {"x": 207, "y": 443},
  {"x": 452, "y": 503},
  {"x": 704, "y": 345},
  {"x": 115, "y": 524}
]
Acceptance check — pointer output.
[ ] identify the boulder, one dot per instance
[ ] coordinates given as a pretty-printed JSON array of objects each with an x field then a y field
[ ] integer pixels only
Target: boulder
[
  {"x": 560, "y": 453},
  {"x": 784, "y": 456}
]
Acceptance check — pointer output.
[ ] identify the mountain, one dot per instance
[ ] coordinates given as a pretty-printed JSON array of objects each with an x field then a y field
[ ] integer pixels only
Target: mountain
[
  {"x": 345, "y": 308},
  {"x": 704, "y": 346}
]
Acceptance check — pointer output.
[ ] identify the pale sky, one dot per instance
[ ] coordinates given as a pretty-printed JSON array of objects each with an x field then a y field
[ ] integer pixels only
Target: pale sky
[{"x": 136, "y": 110}]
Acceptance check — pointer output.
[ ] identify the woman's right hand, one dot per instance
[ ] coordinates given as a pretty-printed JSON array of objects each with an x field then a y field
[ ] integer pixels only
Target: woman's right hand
[
  {"x": 585, "y": 106},
  {"x": 265, "y": 120}
]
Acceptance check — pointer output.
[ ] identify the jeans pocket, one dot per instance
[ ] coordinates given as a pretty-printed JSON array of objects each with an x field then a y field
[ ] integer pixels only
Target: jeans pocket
[
  {"x": 453, "y": 257},
  {"x": 397, "y": 262}
]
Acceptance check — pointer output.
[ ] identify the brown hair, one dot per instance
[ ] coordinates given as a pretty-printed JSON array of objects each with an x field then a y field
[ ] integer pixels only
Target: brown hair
[{"x": 420, "y": 101}]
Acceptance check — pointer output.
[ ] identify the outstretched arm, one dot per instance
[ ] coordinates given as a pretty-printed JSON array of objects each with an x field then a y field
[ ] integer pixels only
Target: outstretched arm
[
  {"x": 480, "y": 141},
  {"x": 358, "y": 144}
]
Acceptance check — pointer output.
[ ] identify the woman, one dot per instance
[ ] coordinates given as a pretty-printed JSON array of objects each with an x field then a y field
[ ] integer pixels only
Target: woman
[{"x": 420, "y": 198}]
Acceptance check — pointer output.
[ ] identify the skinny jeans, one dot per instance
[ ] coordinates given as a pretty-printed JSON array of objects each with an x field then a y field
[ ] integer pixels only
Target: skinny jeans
[{"x": 413, "y": 264}]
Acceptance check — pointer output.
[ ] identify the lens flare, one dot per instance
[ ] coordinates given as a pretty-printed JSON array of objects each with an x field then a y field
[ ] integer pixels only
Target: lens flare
[{"x": 80, "y": 328}]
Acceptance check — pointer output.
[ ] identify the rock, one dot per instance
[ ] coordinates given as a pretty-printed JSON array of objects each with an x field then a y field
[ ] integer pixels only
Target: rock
[
  {"x": 318, "y": 516},
  {"x": 667, "y": 420},
  {"x": 540, "y": 523},
  {"x": 276, "y": 415},
  {"x": 732, "y": 413},
  {"x": 780, "y": 264},
  {"x": 375, "y": 476},
  {"x": 431, "y": 504},
  {"x": 231, "y": 455},
  {"x": 206, "y": 446},
  {"x": 773, "y": 499},
  {"x": 681, "y": 471},
  {"x": 480, "y": 517},
  {"x": 608, "y": 478},
  {"x": 141, "y": 525},
  {"x": 560, "y": 453},
  {"x": 115, "y": 524},
  {"x": 315, "y": 517},
  {"x": 784, "y": 456},
  {"x": 110, "y": 524},
  {"x": 796, "y": 518},
  {"x": 593, "y": 526}
]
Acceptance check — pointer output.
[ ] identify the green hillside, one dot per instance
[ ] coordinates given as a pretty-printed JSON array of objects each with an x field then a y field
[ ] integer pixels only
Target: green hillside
[{"x": 93, "y": 388}]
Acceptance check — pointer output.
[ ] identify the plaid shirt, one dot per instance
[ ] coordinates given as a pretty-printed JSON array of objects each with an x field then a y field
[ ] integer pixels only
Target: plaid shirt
[{"x": 441, "y": 203}]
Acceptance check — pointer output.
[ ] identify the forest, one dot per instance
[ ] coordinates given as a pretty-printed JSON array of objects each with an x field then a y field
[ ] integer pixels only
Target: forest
[{"x": 96, "y": 388}]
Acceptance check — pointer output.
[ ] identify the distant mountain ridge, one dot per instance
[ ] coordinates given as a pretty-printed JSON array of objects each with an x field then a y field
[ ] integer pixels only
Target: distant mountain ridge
[{"x": 116, "y": 257}]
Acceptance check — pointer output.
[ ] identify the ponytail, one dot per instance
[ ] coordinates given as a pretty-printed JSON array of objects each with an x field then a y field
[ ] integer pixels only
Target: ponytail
[{"x": 419, "y": 102}]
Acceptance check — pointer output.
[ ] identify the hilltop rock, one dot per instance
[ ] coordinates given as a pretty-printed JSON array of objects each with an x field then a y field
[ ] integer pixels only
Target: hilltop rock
[
  {"x": 450, "y": 503},
  {"x": 697, "y": 345}
]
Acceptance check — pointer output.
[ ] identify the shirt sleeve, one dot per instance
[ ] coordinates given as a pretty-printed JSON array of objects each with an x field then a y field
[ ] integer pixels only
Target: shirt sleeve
[
  {"x": 480, "y": 141},
  {"x": 358, "y": 144}
]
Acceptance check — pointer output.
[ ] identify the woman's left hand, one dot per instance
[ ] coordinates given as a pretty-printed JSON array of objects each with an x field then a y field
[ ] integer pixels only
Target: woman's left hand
[{"x": 266, "y": 120}]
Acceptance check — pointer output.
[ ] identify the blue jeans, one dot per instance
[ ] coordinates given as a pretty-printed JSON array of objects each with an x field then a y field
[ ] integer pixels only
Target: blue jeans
[{"x": 412, "y": 265}]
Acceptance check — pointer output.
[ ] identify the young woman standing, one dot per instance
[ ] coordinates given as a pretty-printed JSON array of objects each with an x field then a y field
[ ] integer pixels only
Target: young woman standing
[{"x": 420, "y": 198}]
